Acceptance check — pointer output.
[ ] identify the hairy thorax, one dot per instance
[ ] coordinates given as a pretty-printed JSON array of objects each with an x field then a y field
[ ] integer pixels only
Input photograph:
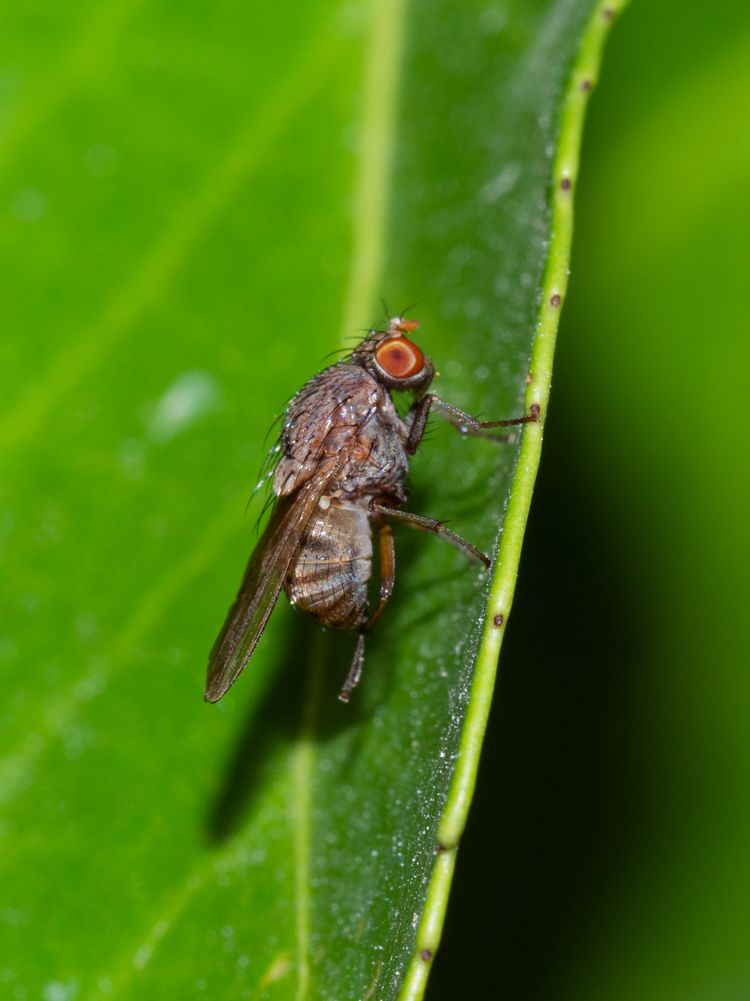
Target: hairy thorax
[{"x": 344, "y": 419}]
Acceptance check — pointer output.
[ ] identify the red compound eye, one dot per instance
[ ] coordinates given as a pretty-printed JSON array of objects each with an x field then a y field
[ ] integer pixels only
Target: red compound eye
[{"x": 400, "y": 358}]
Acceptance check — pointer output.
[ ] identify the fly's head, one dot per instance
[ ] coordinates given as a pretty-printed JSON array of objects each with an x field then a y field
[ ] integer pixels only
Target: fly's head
[{"x": 394, "y": 360}]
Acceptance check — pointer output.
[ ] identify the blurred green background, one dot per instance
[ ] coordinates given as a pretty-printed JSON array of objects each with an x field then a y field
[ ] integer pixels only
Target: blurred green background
[
  {"x": 608, "y": 852},
  {"x": 611, "y": 828}
]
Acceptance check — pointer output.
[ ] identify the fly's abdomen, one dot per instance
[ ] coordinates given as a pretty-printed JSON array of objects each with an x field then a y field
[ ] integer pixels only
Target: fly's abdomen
[{"x": 328, "y": 577}]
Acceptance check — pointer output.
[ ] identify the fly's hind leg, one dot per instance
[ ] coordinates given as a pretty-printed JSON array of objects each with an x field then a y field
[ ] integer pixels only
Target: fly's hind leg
[
  {"x": 355, "y": 671},
  {"x": 387, "y": 576},
  {"x": 431, "y": 525}
]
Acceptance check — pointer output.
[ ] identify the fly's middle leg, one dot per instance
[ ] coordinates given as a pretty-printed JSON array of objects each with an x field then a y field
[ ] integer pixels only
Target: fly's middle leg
[
  {"x": 431, "y": 525},
  {"x": 387, "y": 577}
]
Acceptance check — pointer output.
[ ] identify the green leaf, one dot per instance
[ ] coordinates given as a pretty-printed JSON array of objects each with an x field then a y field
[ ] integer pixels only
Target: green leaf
[{"x": 199, "y": 199}]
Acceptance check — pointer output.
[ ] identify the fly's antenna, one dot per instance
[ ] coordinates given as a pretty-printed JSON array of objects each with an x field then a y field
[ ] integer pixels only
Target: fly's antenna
[{"x": 405, "y": 311}]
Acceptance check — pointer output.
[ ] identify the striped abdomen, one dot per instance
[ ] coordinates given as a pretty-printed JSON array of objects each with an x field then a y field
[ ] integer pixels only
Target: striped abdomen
[{"x": 328, "y": 576}]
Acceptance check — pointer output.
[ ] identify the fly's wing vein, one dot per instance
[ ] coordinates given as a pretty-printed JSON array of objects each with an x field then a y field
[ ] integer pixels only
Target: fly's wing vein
[{"x": 263, "y": 580}]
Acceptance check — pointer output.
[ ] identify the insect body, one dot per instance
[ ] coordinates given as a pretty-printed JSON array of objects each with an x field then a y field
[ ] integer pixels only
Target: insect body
[{"x": 345, "y": 457}]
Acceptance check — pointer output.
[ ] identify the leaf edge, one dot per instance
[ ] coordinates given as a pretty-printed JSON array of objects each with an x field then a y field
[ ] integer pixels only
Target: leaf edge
[{"x": 582, "y": 80}]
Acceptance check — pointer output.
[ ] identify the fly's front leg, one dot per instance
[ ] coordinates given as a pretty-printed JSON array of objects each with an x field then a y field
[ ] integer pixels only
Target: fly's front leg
[
  {"x": 431, "y": 525},
  {"x": 465, "y": 423},
  {"x": 387, "y": 577}
]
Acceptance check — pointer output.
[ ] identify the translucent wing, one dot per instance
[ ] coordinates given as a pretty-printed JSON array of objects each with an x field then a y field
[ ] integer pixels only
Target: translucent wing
[{"x": 262, "y": 582}]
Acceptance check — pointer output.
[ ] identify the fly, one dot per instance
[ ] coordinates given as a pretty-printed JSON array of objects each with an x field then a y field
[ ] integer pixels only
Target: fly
[{"x": 344, "y": 461}]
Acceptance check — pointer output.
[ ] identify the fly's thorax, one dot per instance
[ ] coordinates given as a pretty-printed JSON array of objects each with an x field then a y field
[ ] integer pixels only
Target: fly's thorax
[{"x": 345, "y": 420}]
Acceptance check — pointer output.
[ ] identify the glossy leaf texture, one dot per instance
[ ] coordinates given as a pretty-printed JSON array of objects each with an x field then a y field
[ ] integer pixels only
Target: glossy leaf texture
[{"x": 198, "y": 198}]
